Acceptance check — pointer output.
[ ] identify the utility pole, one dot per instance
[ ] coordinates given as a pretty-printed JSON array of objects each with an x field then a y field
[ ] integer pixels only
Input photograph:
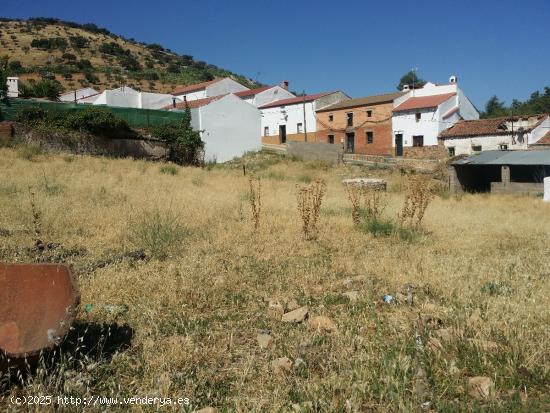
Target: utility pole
[{"x": 304, "y": 106}]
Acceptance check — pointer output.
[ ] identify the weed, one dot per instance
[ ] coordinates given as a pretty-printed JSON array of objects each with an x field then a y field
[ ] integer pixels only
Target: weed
[
  {"x": 255, "y": 200},
  {"x": 309, "y": 200},
  {"x": 29, "y": 152},
  {"x": 169, "y": 169},
  {"x": 160, "y": 233},
  {"x": 354, "y": 196},
  {"x": 417, "y": 198}
]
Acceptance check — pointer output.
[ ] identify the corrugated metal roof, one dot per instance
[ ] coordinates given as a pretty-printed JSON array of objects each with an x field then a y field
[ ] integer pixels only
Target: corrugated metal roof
[{"x": 535, "y": 157}]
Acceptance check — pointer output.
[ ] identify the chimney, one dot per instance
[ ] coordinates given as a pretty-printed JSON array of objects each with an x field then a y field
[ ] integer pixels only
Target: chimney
[
  {"x": 284, "y": 84},
  {"x": 174, "y": 103},
  {"x": 453, "y": 79},
  {"x": 13, "y": 87},
  {"x": 406, "y": 88}
]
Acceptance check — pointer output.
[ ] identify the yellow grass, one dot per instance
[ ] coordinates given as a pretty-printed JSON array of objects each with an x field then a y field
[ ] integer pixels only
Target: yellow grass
[{"x": 195, "y": 314}]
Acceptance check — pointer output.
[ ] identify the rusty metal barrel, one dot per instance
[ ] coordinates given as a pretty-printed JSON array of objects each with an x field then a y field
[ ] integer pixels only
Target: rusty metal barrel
[{"x": 37, "y": 307}]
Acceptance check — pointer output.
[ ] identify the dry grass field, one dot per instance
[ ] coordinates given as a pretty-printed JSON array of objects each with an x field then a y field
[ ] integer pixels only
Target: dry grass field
[{"x": 184, "y": 320}]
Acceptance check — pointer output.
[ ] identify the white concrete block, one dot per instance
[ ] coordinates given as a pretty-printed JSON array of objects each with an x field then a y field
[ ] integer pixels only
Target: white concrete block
[{"x": 547, "y": 189}]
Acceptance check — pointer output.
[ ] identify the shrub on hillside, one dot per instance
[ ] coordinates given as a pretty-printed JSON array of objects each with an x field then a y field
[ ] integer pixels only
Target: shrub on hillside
[
  {"x": 51, "y": 43},
  {"x": 78, "y": 42},
  {"x": 45, "y": 88}
]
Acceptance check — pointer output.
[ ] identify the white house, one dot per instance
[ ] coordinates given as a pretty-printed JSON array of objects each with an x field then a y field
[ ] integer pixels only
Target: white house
[
  {"x": 506, "y": 133},
  {"x": 208, "y": 89},
  {"x": 264, "y": 95},
  {"x": 229, "y": 126},
  {"x": 130, "y": 98},
  {"x": 294, "y": 118},
  {"x": 13, "y": 87},
  {"x": 422, "y": 114},
  {"x": 79, "y": 96}
]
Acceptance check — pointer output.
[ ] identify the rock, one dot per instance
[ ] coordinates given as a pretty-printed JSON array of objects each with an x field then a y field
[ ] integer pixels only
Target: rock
[
  {"x": 299, "y": 362},
  {"x": 281, "y": 365},
  {"x": 275, "y": 309},
  {"x": 292, "y": 305},
  {"x": 481, "y": 388},
  {"x": 295, "y": 316},
  {"x": 352, "y": 296},
  {"x": 322, "y": 323},
  {"x": 484, "y": 345},
  {"x": 265, "y": 341},
  {"x": 449, "y": 335},
  {"x": 207, "y": 410},
  {"x": 374, "y": 183}
]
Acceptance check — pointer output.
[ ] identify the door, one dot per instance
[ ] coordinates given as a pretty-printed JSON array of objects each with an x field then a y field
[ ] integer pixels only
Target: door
[
  {"x": 350, "y": 142},
  {"x": 282, "y": 133},
  {"x": 398, "y": 144}
]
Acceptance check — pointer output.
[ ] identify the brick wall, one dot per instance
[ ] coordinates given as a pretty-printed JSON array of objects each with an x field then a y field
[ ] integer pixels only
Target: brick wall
[
  {"x": 379, "y": 124},
  {"x": 292, "y": 137}
]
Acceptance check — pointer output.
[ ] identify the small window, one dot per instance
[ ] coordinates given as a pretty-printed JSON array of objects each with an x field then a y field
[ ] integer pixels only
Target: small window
[
  {"x": 370, "y": 137},
  {"x": 330, "y": 118},
  {"x": 350, "y": 119},
  {"x": 476, "y": 148},
  {"x": 503, "y": 147},
  {"x": 369, "y": 113},
  {"x": 299, "y": 127},
  {"x": 452, "y": 151},
  {"x": 418, "y": 140},
  {"x": 418, "y": 116},
  {"x": 266, "y": 131},
  {"x": 331, "y": 139}
]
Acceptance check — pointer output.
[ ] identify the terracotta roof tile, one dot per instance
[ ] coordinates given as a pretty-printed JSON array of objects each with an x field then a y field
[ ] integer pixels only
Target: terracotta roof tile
[
  {"x": 481, "y": 127},
  {"x": 298, "y": 99},
  {"x": 252, "y": 92},
  {"x": 545, "y": 140},
  {"x": 422, "y": 102},
  {"x": 365, "y": 101}
]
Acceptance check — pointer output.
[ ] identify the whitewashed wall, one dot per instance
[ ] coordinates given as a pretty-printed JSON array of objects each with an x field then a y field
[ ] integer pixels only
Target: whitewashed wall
[
  {"x": 289, "y": 115},
  {"x": 463, "y": 146},
  {"x": 229, "y": 127},
  {"x": 224, "y": 86},
  {"x": 196, "y": 95},
  {"x": 271, "y": 95}
]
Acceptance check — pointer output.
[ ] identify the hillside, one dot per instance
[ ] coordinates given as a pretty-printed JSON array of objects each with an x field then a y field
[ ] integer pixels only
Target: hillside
[{"x": 85, "y": 55}]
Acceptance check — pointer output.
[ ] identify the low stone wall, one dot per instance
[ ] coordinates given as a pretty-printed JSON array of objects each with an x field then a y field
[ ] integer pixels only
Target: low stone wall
[
  {"x": 524, "y": 188},
  {"x": 307, "y": 151},
  {"x": 425, "y": 152},
  {"x": 420, "y": 165},
  {"x": 83, "y": 144}
]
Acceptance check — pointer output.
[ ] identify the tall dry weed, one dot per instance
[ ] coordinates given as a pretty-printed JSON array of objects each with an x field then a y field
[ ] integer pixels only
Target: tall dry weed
[
  {"x": 310, "y": 198},
  {"x": 255, "y": 200},
  {"x": 418, "y": 195}
]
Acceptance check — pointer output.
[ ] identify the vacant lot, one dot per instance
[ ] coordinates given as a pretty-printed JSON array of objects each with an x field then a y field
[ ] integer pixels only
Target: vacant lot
[{"x": 183, "y": 321}]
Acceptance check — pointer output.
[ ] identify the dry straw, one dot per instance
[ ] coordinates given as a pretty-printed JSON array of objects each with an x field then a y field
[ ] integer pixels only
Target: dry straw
[{"x": 310, "y": 198}]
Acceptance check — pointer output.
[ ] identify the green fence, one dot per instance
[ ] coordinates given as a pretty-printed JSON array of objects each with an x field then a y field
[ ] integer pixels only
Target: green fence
[{"x": 136, "y": 118}]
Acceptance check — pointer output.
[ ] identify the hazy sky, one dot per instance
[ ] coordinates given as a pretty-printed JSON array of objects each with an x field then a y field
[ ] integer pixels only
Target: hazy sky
[{"x": 497, "y": 47}]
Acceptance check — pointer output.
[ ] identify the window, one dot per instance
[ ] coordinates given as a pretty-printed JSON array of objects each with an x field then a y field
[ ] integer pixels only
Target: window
[
  {"x": 503, "y": 147},
  {"x": 418, "y": 116},
  {"x": 369, "y": 113},
  {"x": 476, "y": 148},
  {"x": 451, "y": 151},
  {"x": 350, "y": 119},
  {"x": 330, "y": 118},
  {"x": 418, "y": 140},
  {"x": 370, "y": 137},
  {"x": 266, "y": 131},
  {"x": 299, "y": 127},
  {"x": 330, "y": 138}
]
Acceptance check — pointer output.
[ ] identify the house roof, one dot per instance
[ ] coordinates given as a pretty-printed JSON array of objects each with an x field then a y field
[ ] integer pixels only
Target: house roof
[
  {"x": 532, "y": 157},
  {"x": 364, "y": 101},
  {"x": 194, "y": 87},
  {"x": 252, "y": 92},
  {"x": 422, "y": 102},
  {"x": 545, "y": 140},
  {"x": 194, "y": 103},
  {"x": 293, "y": 101},
  {"x": 483, "y": 127}
]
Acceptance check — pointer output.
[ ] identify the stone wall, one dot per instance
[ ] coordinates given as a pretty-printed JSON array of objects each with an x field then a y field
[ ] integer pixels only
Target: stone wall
[
  {"x": 315, "y": 151},
  {"x": 426, "y": 152},
  {"x": 83, "y": 144},
  {"x": 6, "y": 132}
]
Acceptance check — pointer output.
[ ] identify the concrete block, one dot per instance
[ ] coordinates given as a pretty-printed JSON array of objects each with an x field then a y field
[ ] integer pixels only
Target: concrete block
[{"x": 547, "y": 189}]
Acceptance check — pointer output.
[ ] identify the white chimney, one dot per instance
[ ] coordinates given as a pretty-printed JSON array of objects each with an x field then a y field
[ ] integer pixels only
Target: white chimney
[
  {"x": 453, "y": 79},
  {"x": 284, "y": 84},
  {"x": 406, "y": 88},
  {"x": 13, "y": 87}
]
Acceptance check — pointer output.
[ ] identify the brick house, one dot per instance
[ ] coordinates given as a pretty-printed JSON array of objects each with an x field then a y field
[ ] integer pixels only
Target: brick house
[{"x": 362, "y": 125}]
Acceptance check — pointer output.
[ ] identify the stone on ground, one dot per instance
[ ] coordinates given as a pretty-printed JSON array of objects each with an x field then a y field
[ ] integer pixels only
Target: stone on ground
[
  {"x": 322, "y": 323},
  {"x": 275, "y": 309},
  {"x": 295, "y": 316},
  {"x": 481, "y": 387},
  {"x": 207, "y": 409},
  {"x": 265, "y": 341},
  {"x": 281, "y": 365}
]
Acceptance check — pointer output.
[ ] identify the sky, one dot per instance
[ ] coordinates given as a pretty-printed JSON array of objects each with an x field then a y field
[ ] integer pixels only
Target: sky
[{"x": 360, "y": 47}]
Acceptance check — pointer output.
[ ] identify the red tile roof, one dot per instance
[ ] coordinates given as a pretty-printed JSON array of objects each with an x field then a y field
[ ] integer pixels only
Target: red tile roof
[
  {"x": 482, "y": 127},
  {"x": 296, "y": 100},
  {"x": 195, "y": 87},
  {"x": 545, "y": 140},
  {"x": 194, "y": 103},
  {"x": 421, "y": 102},
  {"x": 252, "y": 92}
]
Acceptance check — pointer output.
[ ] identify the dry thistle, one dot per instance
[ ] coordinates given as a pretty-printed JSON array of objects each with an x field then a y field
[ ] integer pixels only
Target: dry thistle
[
  {"x": 36, "y": 223},
  {"x": 375, "y": 202},
  {"x": 354, "y": 196},
  {"x": 255, "y": 201},
  {"x": 417, "y": 198},
  {"x": 310, "y": 198}
]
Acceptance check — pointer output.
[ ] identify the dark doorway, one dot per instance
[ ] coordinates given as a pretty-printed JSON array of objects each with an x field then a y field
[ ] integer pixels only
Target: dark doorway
[
  {"x": 282, "y": 133},
  {"x": 398, "y": 144},
  {"x": 350, "y": 142}
]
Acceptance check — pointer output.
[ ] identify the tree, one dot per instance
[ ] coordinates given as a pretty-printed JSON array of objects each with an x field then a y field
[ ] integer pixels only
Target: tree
[
  {"x": 494, "y": 108},
  {"x": 410, "y": 78},
  {"x": 3, "y": 77}
]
